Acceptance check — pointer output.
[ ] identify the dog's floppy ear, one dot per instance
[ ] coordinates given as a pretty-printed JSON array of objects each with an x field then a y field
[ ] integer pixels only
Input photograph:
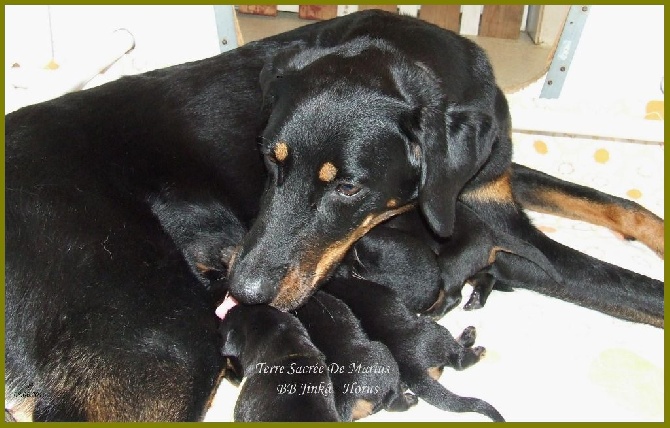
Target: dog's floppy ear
[
  {"x": 455, "y": 144},
  {"x": 274, "y": 70},
  {"x": 269, "y": 79}
]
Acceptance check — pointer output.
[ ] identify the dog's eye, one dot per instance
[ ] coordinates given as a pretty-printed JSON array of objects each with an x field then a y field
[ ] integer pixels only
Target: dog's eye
[{"x": 347, "y": 189}]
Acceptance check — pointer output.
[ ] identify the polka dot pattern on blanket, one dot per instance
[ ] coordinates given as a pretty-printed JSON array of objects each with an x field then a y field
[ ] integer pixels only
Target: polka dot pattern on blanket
[{"x": 631, "y": 170}]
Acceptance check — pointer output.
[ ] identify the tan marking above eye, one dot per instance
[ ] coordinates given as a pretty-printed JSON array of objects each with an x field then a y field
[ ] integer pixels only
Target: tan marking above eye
[
  {"x": 392, "y": 203},
  {"x": 327, "y": 172},
  {"x": 281, "y": 151}
]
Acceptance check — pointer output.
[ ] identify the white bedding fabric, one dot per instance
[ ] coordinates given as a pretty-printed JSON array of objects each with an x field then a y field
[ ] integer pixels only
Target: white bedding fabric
[{"x": 548, "y": 360}]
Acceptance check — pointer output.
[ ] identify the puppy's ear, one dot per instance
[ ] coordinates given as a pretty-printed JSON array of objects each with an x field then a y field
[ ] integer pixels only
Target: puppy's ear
[{"x": 455, "y": 145}]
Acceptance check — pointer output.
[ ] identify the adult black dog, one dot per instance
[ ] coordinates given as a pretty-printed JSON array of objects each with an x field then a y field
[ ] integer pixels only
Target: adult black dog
[
  {"x": 362, "y": 118},
  {"x": 366, "y": 123}
]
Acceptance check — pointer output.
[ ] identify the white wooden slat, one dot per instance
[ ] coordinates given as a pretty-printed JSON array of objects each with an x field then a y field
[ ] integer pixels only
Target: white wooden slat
[
  {"x": 410, "y": 10},
  {"x": 470, "y": 17},
  {"x": 524, "y": 18},
  {"x": 346, "y": 9},
  {"x": 288, "y": 8}
]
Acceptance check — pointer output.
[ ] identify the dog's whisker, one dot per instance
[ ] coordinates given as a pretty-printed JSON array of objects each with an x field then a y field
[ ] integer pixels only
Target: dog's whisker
[
  {"x": 316, "y": 299},
  {"x": 357, "y": 258},
  {"x": 357, "y": 275}
]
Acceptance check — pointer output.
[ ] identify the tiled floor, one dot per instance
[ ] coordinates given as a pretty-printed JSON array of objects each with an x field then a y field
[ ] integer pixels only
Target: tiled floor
[{"x": 516, "y": 63}]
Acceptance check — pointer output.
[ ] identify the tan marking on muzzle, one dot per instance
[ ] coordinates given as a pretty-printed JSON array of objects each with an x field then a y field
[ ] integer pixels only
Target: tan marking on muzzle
[
  {"x": 292, "y": 289},
  {"x": 327, "y": 172},
  {"x": 281, "y": 151},
  {"x": 229, "y": 256},
  {"x": 441, "y": 296},
  {"x": 312, "y": 269},
  {"x": 336, "y": 251}
]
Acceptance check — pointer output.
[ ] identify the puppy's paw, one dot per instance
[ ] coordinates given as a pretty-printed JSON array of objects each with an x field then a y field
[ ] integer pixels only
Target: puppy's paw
[
  {"x": 482, "y": 285},
  {"x": 474, "y": 302},
  {"x": 467, "y": 337},
  {"x": 402, "y": 402},
  {"x": 467, "y": 357},
  {"x": 411, "y": 399},
  {"x": 479, "y": 351}
]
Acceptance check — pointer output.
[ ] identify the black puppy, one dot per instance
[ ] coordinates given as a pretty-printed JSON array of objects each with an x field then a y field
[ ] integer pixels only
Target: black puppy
[
  {"x": 420, "y": 346},
  {"x": 364, "y": 374},
  {"x": 400, "y": 261},
  {"x": 285, "y": 375}
]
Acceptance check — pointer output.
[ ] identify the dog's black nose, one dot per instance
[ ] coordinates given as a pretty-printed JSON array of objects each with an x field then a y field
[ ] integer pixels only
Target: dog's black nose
[
  {"x": 253, "y": 285},
  {"x": 253, "y": 291}
]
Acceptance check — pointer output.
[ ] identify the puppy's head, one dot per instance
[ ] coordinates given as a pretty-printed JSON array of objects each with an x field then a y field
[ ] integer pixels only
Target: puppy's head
[
  {"x": 356, "y": 134},
  {"x": 247, "y": 329}
]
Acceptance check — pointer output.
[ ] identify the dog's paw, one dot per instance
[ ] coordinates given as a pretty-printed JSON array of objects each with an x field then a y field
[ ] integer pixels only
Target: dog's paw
[
  {"x": 402, "y": 402},
  {"x": 474, "y": 302},
  {"x": 467, "y": 337},
  {"x": 479, "y": 351},
  {"x": 467, "y": 357},
  {"x": 482, "y": 285},
  {"x": 411, "y": 399}
]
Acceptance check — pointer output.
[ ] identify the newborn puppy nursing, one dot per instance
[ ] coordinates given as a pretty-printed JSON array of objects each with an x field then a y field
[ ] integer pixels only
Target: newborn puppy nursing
[
  {"x": 399, "y": 261},
  {"x": 364, "y": 374},
  {"x": 285, "y": 375}
]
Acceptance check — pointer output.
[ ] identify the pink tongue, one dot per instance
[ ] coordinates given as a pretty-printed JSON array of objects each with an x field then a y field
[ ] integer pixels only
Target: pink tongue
[{"x": 228, "y": 303}]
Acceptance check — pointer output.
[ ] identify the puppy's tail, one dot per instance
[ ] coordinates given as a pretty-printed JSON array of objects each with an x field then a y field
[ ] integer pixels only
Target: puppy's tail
[
  {"x": 437, "y": 395},
  {"x": 543, "y": 193}
]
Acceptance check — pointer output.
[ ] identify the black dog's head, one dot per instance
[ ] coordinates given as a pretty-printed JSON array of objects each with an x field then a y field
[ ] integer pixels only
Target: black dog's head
[{"x": 356, "y": 134}]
